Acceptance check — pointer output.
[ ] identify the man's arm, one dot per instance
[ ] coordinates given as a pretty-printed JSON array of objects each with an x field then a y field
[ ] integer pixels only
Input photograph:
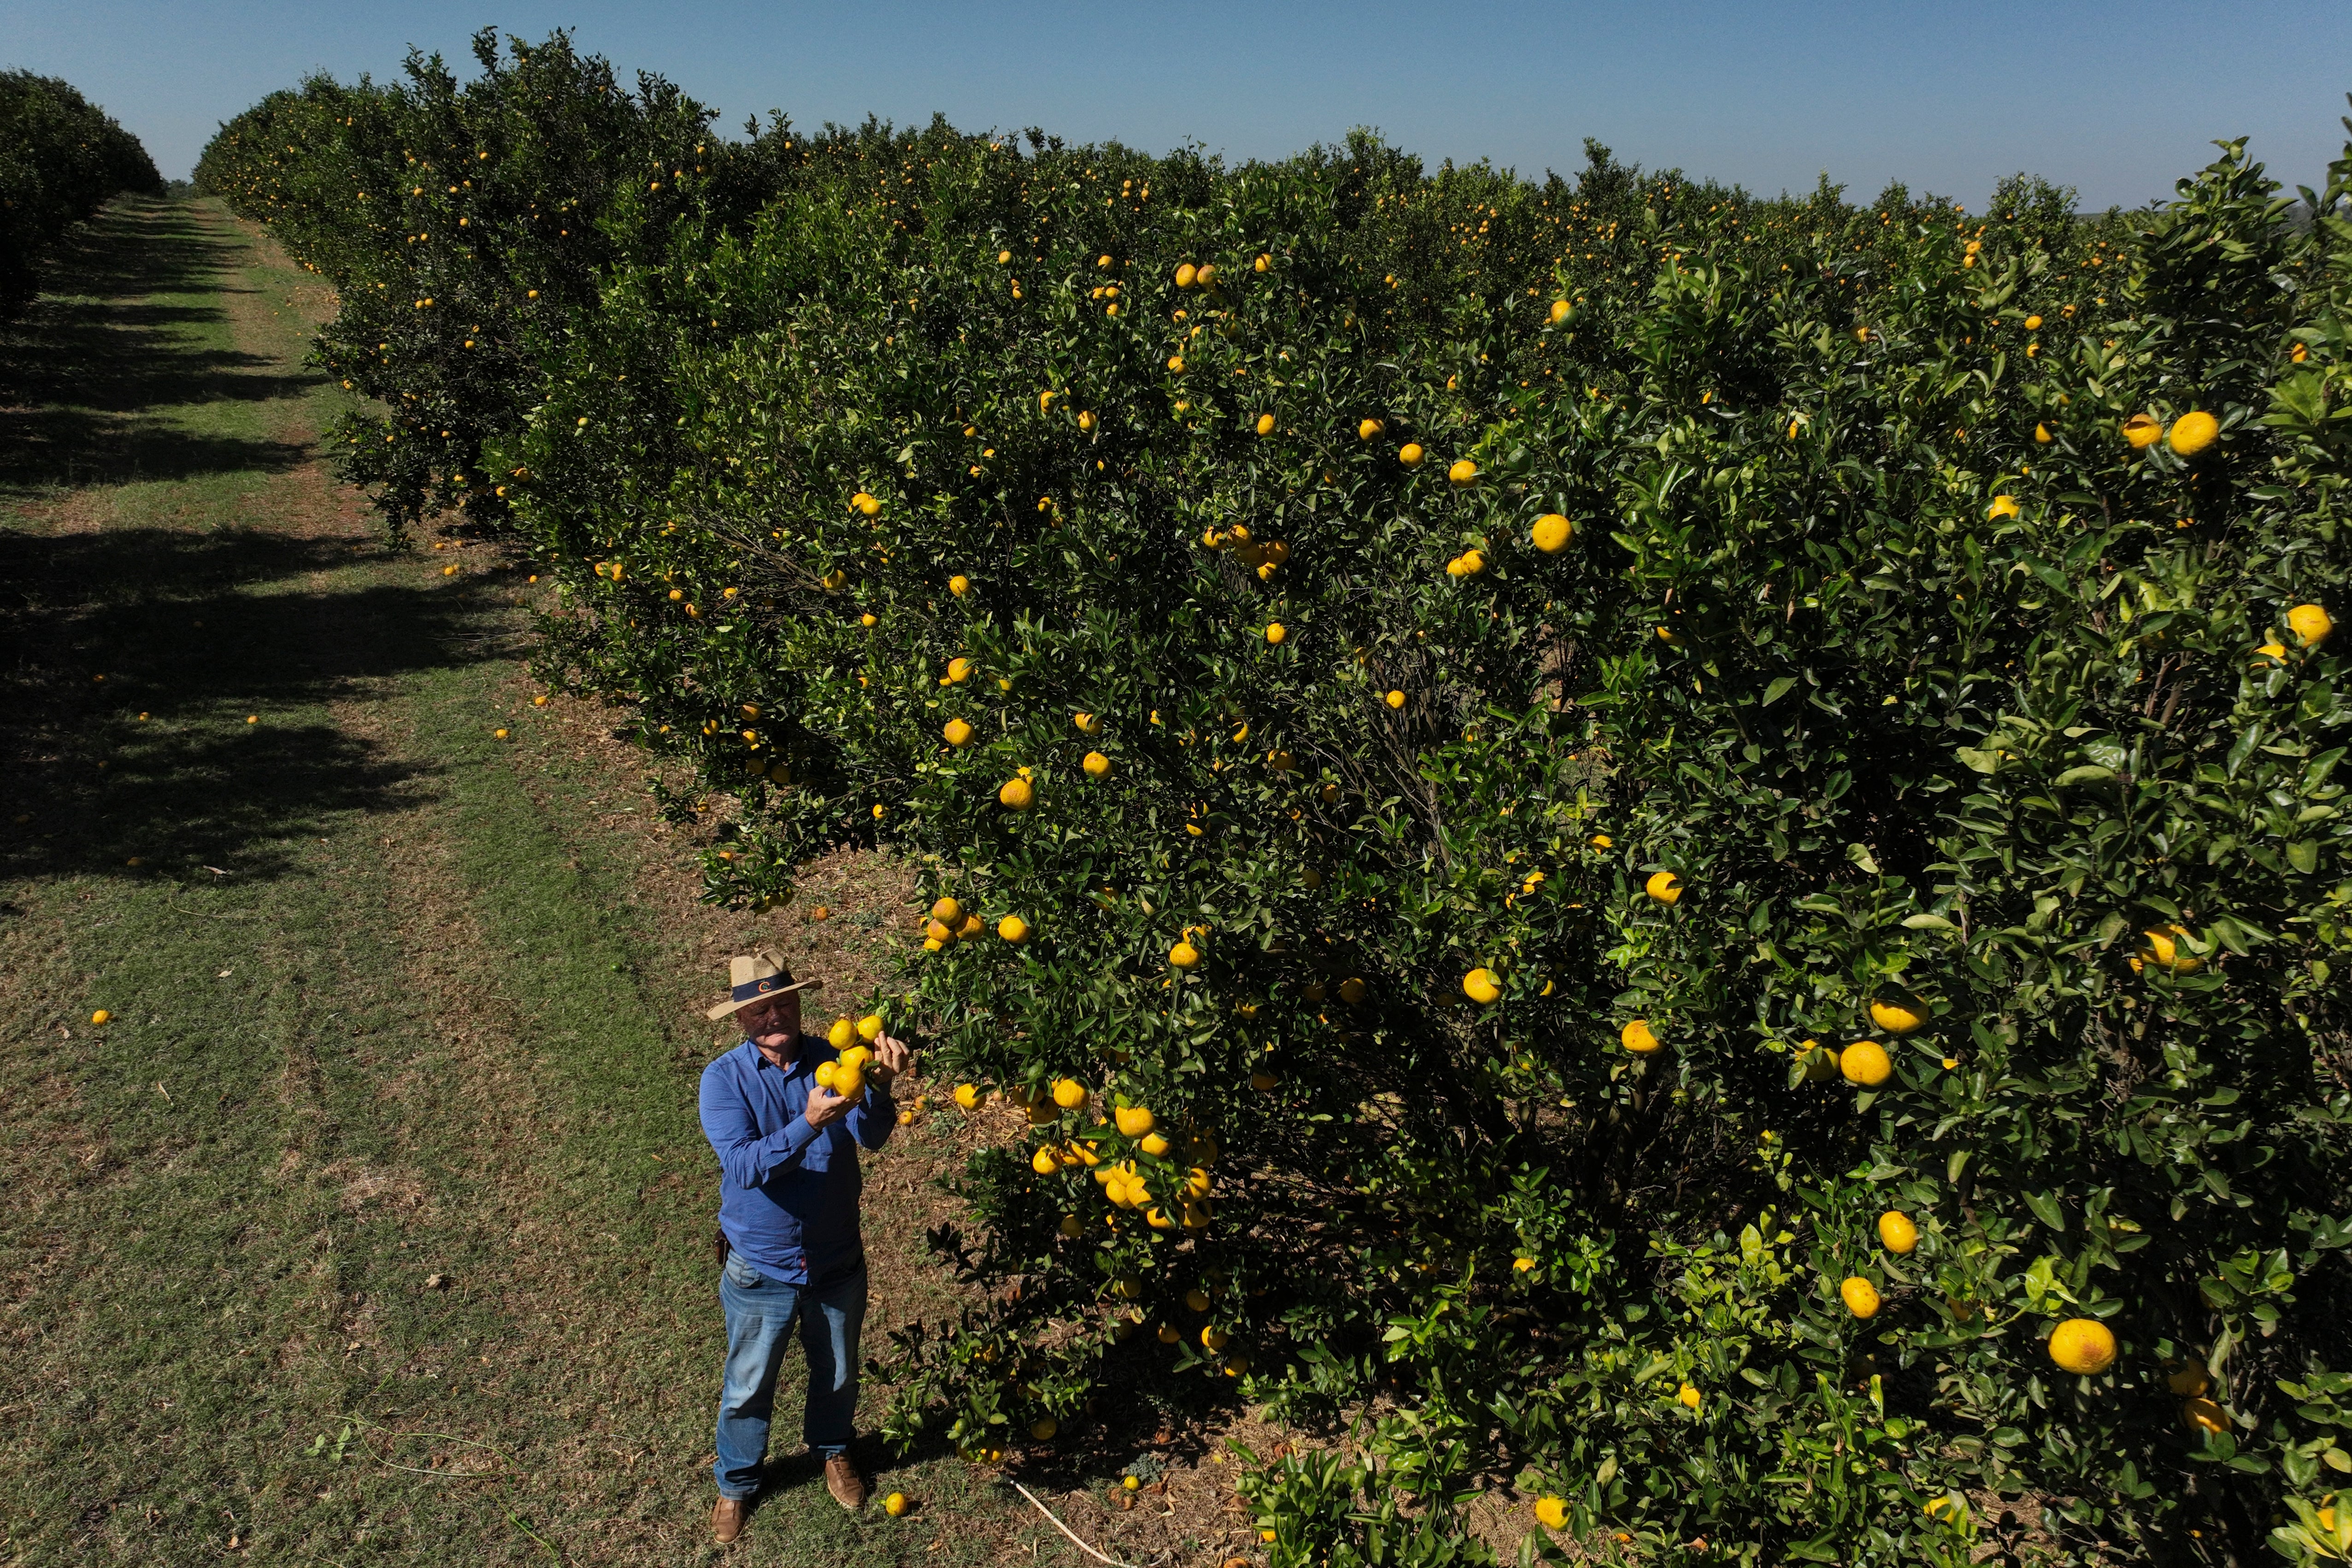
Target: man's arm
[
  {"x": 871, "y": 1122},
  {"x": 748, "y": 1158}
]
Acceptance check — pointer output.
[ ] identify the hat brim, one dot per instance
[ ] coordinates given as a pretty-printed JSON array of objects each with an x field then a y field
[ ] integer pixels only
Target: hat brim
[{"x": 732, "y": 1006}]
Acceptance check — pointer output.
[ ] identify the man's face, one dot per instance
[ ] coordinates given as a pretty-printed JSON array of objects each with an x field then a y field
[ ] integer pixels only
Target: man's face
[{"x": 774, "y": 1023}]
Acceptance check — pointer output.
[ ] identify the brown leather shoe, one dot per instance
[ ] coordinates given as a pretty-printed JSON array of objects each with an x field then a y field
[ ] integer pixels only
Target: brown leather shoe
[
  {"x": 727, "y": 1520},
  {"x": 842, "y": 1479}
]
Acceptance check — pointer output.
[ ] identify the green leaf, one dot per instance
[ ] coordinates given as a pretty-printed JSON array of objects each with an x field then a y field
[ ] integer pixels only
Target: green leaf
[{"x": 1777, "y": 690}]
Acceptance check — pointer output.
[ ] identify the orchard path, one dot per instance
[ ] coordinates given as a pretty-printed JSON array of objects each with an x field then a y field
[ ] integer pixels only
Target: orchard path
[{"x": 375, "y": 1225}]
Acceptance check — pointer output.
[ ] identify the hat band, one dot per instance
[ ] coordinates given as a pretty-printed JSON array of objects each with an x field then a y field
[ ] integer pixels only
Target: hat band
[{"x": 752, "y": 990}]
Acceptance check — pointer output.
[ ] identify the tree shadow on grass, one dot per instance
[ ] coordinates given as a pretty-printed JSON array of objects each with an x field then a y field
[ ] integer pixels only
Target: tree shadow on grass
[
  {"x": 201, "y": 631},
  {"x": 89, "y": 378}
]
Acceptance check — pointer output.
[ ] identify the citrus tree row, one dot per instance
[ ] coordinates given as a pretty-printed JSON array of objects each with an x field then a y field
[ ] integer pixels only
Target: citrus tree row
[
  {"x": 1679, "y": 850},
  {"x": 61, "y": 158}
]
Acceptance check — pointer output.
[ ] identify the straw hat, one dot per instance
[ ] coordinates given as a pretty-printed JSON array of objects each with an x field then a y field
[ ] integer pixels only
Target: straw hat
[{"x": 756, "y": 976}]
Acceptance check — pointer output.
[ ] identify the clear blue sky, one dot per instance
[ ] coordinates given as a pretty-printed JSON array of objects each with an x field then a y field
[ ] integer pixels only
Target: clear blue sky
[{"x": 2116, "y": 100}]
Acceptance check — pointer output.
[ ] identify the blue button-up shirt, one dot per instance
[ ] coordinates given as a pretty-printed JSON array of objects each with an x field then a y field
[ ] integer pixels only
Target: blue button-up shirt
[{"x": 788, "y": 1191}]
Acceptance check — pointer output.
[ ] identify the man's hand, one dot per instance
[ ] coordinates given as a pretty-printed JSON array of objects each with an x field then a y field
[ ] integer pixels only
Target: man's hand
[
  {"x": 891, "y": 1058},
  {"x": 825, "y": 1107}
]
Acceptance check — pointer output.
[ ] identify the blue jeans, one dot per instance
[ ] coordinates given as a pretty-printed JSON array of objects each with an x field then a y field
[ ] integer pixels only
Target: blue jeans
[{"x": 760, "y": 1317}]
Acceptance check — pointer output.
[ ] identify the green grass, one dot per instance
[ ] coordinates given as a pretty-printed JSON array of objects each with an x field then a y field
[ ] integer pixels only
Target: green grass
[{"x": 375, "y": 1225}]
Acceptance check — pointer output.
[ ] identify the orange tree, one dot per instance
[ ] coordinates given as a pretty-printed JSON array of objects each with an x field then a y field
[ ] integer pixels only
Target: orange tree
[
  {"x": 1688, "y": 842},
  {"x": 1295, "y": 682},
  {"x": 465, "y": 225}
]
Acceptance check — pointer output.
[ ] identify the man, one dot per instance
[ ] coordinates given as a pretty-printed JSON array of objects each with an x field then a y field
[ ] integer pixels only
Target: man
[{"x": 788, "y": 1242}]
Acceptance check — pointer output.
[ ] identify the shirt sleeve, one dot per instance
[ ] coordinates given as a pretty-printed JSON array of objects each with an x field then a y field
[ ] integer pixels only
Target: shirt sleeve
[
  {"x": 871, "y": 1121},
  {"x": 748, "y": 1158}
]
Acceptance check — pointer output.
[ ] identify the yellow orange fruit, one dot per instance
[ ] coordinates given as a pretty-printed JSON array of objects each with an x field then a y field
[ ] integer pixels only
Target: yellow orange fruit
[
  {"x": 1479, "y": 985},
  {"x": 1866, "y": 1062},
  {"x": 1275, "y": 633},
  {"x": 1898, "y": 1015},
  {"x": 1394, "y": 699},
  {"x": 1818, "y": 1061},
  {"x": 895, "y": 1504},
  {"x": 2042, "y": 436},
  {"x": 1895, "y": 1231},
  {"x": 1410, "y": 454},
  {"x": 100, "y": 1016},
  {"x": 1070, "y": 1094},
  {"x": 2190, "y": 1381},
  {"x": 2192, "y": 433},
  {"x": 1184, "y": 276},
  {"x": 1860, "y": 1296},
  {"x": 1473, "y": 562},
  {"x": 959, "y": 585},
  {"x": 1184, "y": 956},
  {"x": 969, "y": 1096},
  {"x": 2310, "y": 622},
  {"x": 2205, "y": 1415},
  {"x": 842, "y": 1035},
  {"x": 1463, "y": 472},
  {"x": 1368, "y": 429},
  {"x": 1015, "y": 795},
  {"x": 1043, "y": 1430},
  {"x": 2083, "y": 1346},
  {"x": 1265, "y": 425},
  {"x": 1041, "y": 1162},
  {"x": 1551, "y": 533},
  {"x": 1558, "y": 312},
  {"x": 2002, "y": 506},
  {"x": 2161, "y": 948},
  {"x": 948, "y": 911},
  {"x": 1133, "y": 1121},
  {"x": 1013, "y": 928},
  {"x": 958, "y": 670},
  {"x": 1664, "y": 886},
  {"x": 1687, "y": 1396},
  {"x": 2142, "y": 431},
  {"x": 870, "y": 1026},
  {"x": 956, "y": 732},
  {"x": 1351, "y": 990},
  {"x": 1551, "y": 1512},
  {"x": 1637, "y": 1037},
  {"x": 1096, "y": 764}
]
